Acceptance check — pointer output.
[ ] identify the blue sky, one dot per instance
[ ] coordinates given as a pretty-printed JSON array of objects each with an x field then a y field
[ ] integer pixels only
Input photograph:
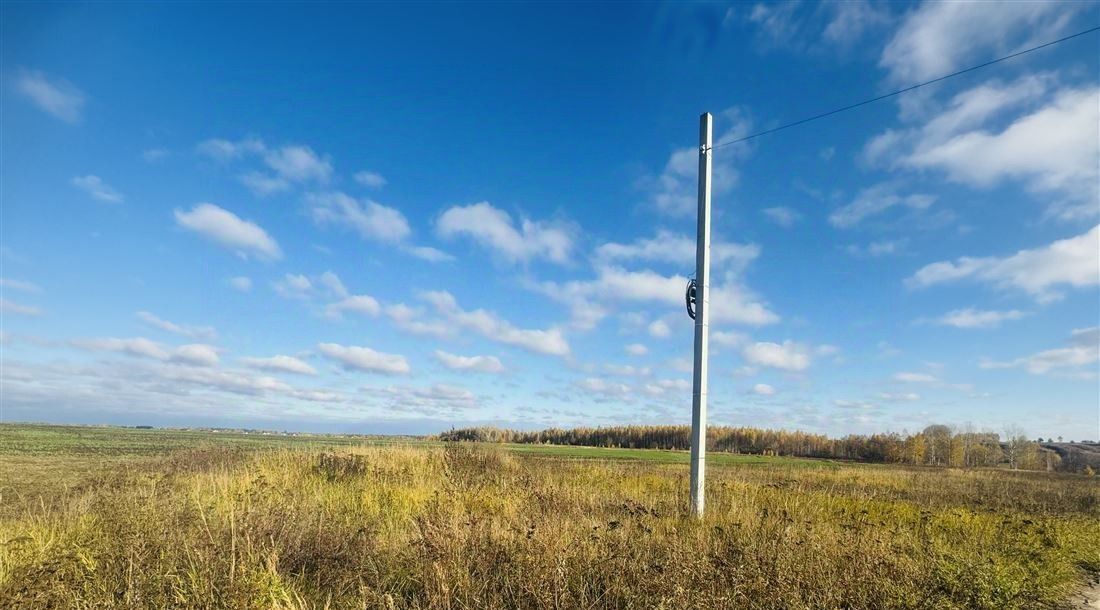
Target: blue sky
[{"x": 395, "y": 218}]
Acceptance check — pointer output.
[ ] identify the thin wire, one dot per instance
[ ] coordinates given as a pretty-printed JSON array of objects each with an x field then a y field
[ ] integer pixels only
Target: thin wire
[{"x": 907, "y": 89}]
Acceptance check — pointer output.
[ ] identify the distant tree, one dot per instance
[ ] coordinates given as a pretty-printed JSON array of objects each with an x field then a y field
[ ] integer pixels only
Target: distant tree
[
  {"x": 939, "y": 443},
  {"x": 936, "y": 445},
  {"x": 916, "y": 448},
  {"x": 957, "y": 451},
  {"x": 1015, "y": 444},
  {"x": 967, "y": 442}
]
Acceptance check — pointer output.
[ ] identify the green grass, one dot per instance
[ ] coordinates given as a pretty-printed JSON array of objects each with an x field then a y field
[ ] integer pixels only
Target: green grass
[
  {"x": 123, "y": 518},
  {"x": 662, "y": 456},
  {"x": 34, "y": 439},
  {"x": 41, "y": 464}
]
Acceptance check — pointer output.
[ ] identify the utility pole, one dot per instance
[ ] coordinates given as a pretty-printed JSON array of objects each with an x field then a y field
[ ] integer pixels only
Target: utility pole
[{"x": 702, "y": 321}]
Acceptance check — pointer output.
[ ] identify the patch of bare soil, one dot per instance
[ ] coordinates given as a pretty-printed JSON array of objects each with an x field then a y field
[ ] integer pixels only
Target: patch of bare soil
[{"x": 1089, "y": 597}]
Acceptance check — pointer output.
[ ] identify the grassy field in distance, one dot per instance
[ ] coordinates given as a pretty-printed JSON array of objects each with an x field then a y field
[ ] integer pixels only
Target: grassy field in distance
[
  {"x": 663, "y": 456},
  {"x": 114, "y": 517}
]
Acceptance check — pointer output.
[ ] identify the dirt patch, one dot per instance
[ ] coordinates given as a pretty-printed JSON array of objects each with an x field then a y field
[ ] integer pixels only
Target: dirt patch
[{"x": 1089, "y": 597}]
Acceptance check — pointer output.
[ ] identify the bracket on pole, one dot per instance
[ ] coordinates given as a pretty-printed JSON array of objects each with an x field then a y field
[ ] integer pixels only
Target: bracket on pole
[{"x": 689, "y": 299}]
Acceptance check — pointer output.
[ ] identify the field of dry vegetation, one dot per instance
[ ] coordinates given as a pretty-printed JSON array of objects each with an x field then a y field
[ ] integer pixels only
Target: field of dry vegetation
[{"x": 351, "y": 524}]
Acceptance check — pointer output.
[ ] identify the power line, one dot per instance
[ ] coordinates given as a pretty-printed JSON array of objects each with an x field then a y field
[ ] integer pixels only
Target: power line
[{"x": 910, "y": 88}]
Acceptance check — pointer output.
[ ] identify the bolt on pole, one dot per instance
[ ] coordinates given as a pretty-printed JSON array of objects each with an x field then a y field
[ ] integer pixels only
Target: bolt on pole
[{"x": 702, "y": 319}]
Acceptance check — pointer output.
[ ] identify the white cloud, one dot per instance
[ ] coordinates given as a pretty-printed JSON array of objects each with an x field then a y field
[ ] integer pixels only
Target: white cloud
[
  {"x": 1088, "y": 337},
  {"x": 294, "y": 286},
  {"x": 371, "y": 220},
  {"x": 776, "y": 22},
  {"x": 602, "y": 387},
  {"x": 585, "y": 312},
  {"x": 1071, "y": 361},
  {"x": 140, "y": 388},
  {"x": 263, "y": 185},
  {"x": 852, "y": 19},
  {"x": 227, "y": 381},
  {"x": 299, "y": 164},
  {"x": 240, "y": 283},
  {"x": 627, "y": 370},
  {"x": 589, "y": 300},
  {"x": 659, "y": 329},
  {"x": 333, "y": 284},
  {"x": 365, "y": 359},
  {"x": 9, "y": 306},
  {"x": 908, "y": 377},
  {"x": 427, "y": 253},
  {"x": 152, "y": 155},
  {"x": 675, "y": 190},
  {"x": 788, "y": 356},
  {"x": 876, "y": 200},
  {"x": 405, "y": 318},
  {"x": 940, "y": 37},
  {"x": 722, "y": 338},
  {"x": 225, "y": 150},
  {"x": 326, "y": 287},
  {"x": 763, "y": 389},
  {"x": 820, "y": 28},
  {"x": 899, "y": 396},
  {"x": 20, "y": 285},
  {"x": 683, "y": 365},
  {"x": 826, "y": 350},
  {"x": 97, "y": 188},
  {"x": 137, "y": 346},
  {"x": 359, "y": 304},
  {"x": 372, "y": 180},
  {"x": 1026, "y": 130},
  {"x": 478, "y": 364},
  {"x": 301, "y": 287},
  {"x": 55, "y": 96},
  {"x": 1074, "y": 261},
  {"x": 678, "y": 249},
  {"x": 782, "y": 216},
  {"x": 550, "y": 341},
  {"x": 636, "y": 349},
  {"x": 661, "y": 387},
  {"x": 878, "y": 248},
  {"x": 447, "y": 396},
  {"x": 431, "y": 400},
  {"x": 290, "y": 164},
  {"x": 1047, "y": 150},
  {"x": 280, "y": 364},
  {"x": 976, "y": 318},
  {"x": 855, "y": 404},
  {"x": 228, "y": 230},
  {"x": 730, "y": 301},
  {"x": 494, "y": 229},
  {"x": 196, "y": 354},
  {"x": 193, "y": 332},
  {"x": 886, "y": 350}
]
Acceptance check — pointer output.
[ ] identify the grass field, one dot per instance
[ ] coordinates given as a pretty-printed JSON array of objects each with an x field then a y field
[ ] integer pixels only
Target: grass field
[{"x": 123, "y": 518}]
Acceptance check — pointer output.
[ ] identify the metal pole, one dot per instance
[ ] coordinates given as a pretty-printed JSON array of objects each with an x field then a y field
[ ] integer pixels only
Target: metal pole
[{"x": 702, "y": 319}]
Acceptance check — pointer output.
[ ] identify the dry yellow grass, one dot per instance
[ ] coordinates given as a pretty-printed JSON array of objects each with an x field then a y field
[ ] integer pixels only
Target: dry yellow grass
[{"x": 480, "y": 527}]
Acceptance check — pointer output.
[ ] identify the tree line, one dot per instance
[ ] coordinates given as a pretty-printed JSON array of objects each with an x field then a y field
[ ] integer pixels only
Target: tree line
[{"x": 935, "y": 445}]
